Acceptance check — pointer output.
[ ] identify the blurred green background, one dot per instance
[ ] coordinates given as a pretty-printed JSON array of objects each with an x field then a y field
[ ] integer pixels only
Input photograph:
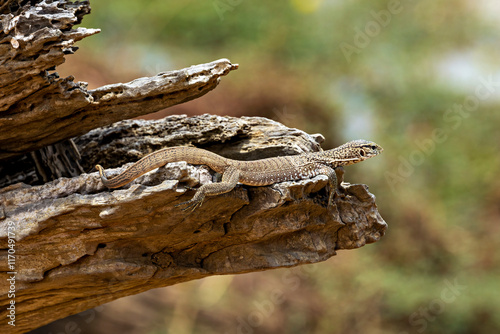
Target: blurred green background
[{"x": 421, "y": 78}]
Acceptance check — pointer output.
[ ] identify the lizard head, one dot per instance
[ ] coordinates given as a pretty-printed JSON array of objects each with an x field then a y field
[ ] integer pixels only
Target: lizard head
[
  {"x": 364, "y": 149},
  {"x": 353, "y": 152}
]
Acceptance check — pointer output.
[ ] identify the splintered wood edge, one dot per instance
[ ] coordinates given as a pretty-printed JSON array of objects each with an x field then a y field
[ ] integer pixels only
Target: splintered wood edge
[{"x": 76, "y": 111}]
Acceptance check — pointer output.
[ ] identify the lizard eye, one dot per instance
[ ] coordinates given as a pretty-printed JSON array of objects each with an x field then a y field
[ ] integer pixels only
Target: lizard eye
[
  {"x": 362, "y": 153},
  {"x": 374, "y": 147}
]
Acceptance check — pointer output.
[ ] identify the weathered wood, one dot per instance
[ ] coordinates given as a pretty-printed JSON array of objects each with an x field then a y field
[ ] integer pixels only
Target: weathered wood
[
  {"x": 38, "y": 108},
  {"x": 79, "y": 245}
]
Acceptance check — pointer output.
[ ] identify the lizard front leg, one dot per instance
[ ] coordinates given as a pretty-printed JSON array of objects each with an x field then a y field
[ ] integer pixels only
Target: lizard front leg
[
  {"x": 230, "y": 178},
  {"x": 332, "y": 180}
]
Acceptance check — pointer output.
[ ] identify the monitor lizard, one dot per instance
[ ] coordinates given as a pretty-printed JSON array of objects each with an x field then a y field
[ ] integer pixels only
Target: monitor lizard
[{"x": 253, "y": 173}]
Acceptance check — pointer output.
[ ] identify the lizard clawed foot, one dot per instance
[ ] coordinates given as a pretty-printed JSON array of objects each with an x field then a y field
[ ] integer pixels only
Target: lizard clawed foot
[
  {"x": 190, "y": 205},
  {"x": 332, "y": 196}
]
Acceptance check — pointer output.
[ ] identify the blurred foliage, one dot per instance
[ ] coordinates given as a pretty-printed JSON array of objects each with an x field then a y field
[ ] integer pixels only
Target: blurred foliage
[{"x": 441, "y": 198}]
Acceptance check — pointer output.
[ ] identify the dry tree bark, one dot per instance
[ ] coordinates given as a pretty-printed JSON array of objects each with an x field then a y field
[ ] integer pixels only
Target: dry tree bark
[
  {"x": 44, "y": 109},
  {"x": 78, "y": 245}
]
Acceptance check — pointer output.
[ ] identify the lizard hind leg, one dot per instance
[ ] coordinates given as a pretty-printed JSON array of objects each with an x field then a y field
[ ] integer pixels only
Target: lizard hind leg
[{"x": 230, "y": 178}]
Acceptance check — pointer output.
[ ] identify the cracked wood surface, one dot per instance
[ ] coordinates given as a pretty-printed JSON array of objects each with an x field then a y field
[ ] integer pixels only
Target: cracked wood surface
[
  {"x": 80, "y": 245},
  {"x": 38, "y": 108}
]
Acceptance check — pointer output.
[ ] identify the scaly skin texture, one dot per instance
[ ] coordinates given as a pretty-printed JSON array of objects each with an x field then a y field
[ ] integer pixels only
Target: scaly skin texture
[{"x": 254, "y": 173}]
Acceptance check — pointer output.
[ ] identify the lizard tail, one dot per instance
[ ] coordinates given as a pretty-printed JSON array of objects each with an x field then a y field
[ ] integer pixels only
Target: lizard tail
[{"x": 192, "y": 155}]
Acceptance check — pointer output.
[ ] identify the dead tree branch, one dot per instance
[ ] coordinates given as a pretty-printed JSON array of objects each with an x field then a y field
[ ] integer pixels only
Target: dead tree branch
[{"x": 77, "y": 245}]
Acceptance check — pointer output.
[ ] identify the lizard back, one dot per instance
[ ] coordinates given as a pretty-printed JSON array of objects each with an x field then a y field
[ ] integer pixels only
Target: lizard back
[{"x": 272, "y": 170}]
